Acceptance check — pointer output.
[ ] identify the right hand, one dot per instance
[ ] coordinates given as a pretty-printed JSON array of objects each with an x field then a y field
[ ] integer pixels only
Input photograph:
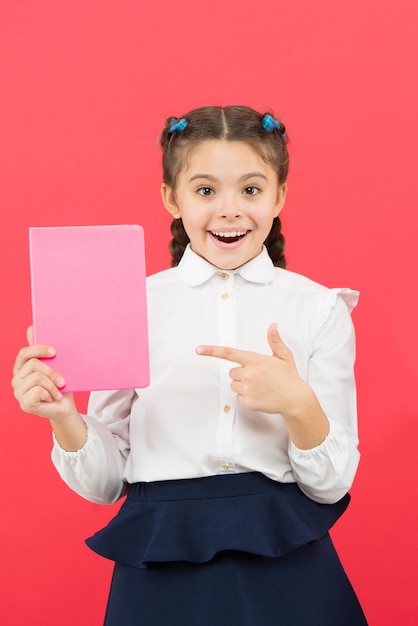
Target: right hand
[{"x": 37, "y": 386}]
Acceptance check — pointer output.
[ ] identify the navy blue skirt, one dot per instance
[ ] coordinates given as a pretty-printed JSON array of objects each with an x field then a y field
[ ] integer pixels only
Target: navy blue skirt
[{"x": 236, "y": 549}]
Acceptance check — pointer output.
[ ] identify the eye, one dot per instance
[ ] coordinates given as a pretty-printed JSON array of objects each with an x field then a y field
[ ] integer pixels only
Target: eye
[
  {"x": 251, "y": 190},
  {"x": 205, "y": 191}
]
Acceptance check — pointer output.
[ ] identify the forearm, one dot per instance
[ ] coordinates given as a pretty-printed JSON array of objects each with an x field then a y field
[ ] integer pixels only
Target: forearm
[
  {"x": 307, "y": 424},
  {"x": 70, "y": 431},
  {"x": 94, "y": 471}
]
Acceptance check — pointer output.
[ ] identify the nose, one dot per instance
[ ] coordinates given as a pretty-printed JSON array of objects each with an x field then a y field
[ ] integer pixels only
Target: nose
[{"x": 229, "y": 209}]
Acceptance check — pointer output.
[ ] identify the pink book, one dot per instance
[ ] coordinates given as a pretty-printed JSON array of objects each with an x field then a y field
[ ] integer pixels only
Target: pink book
[{"x": 89, "y": 303}]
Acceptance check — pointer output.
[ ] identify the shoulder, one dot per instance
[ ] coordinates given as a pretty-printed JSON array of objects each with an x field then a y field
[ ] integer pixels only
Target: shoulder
[
  {"x": 297, "y": 282},
  {"x": 164, "y": 278},
  {"x": 317, "y": 299}
]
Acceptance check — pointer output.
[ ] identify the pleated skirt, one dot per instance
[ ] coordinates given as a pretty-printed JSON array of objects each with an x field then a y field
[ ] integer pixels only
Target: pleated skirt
[{"x": 230, "y": 550}]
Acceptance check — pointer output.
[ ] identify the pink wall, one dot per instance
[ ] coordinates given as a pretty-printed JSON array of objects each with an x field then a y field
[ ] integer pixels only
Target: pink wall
[{"x": 84, "y": 89}]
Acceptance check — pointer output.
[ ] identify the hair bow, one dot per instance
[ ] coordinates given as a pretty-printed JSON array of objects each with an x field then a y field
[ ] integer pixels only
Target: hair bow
[
  {"x": 178, "y": 125},
  {"x": 270, "y": 124}
]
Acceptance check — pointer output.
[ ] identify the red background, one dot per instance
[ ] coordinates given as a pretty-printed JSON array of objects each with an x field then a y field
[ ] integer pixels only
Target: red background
[{"x": 84, "y": 89}]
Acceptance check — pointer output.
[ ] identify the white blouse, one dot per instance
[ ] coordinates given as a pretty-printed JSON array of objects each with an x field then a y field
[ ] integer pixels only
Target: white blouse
[{"x": 187, "y": 423}]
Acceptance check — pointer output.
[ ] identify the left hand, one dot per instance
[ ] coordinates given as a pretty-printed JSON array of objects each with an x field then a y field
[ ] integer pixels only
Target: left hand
[{"x": 270, "y": 384}]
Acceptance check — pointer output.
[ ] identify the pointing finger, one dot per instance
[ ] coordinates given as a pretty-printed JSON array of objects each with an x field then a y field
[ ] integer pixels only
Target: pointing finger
[{"x": 228, "y": 354}]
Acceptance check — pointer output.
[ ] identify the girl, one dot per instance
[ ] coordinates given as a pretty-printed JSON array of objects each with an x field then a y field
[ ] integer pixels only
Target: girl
[{"x": 231, "y": 486}]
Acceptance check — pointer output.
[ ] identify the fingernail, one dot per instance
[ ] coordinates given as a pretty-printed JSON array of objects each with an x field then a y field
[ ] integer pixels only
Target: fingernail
[
  {"x": 199, "y": 350},
  {"x": 60, "y": 382},
  {"x": 51, "y": 351},
  {"x": 58, "y": 395}
]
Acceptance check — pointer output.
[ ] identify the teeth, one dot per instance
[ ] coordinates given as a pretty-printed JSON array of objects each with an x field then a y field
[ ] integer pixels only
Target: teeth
[{"x": 233, "y": 233}]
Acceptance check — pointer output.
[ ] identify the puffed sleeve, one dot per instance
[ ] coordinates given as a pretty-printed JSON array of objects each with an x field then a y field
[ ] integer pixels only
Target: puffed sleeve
[
  {"x": 326, "y": 472},
  {"x": 95, "y": 471}
]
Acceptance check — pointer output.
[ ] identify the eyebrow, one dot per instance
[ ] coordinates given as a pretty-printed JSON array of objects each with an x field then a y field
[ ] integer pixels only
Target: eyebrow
[{"x": 243, "y": 178}]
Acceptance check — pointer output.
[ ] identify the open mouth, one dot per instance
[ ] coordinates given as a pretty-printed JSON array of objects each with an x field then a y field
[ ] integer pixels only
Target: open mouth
[{"x": 229, "y": 237}]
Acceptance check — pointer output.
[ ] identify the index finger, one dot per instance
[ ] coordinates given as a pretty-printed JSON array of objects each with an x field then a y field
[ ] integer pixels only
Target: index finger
[
  {"x": 32, "y": 352},
  {"x": 228, "y": 354}
]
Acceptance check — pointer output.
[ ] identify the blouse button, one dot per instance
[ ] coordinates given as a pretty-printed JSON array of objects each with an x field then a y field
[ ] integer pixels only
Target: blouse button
[
  {"x": 224, "y": 296},
  {"x": 227, "y": 408},
  {"x": 225, "y": 465},
  {"x": 224, "y": 276}
]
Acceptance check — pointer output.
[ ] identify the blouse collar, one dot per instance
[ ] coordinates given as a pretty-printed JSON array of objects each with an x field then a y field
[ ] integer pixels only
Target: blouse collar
[{"x": 194, "y": 270}]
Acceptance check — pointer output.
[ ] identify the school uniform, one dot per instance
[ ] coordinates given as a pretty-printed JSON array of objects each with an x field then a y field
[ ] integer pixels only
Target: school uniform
[{"x": 225, "y": 520}]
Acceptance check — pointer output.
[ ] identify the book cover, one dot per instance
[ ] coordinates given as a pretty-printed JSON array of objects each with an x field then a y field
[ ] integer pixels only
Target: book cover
[{"x": 89, "y": 303}]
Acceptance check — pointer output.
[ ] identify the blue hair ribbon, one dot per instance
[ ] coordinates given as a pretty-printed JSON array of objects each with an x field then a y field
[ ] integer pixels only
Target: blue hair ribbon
[
  {"x": 270, "y": 124},
  {"x": 178, "y": 125}
]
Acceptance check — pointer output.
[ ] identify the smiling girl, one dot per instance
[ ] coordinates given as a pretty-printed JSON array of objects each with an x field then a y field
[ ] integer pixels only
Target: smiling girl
[{"x": 237, "y": 459}]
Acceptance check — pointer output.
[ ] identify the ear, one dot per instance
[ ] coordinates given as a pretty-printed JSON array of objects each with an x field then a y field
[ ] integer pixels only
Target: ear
[
  {"x": 281, "y": 198},
  {"x": 169, "y": 200}
]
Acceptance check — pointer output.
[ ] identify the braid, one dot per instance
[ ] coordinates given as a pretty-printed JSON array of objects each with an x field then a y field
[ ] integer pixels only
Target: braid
[
  {"x": 275, "y": 244},
  {"x": 179, "y": 242}
]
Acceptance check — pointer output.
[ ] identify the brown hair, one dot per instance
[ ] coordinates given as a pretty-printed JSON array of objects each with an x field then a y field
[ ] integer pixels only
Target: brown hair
[{"x": 231, "y": 123}]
